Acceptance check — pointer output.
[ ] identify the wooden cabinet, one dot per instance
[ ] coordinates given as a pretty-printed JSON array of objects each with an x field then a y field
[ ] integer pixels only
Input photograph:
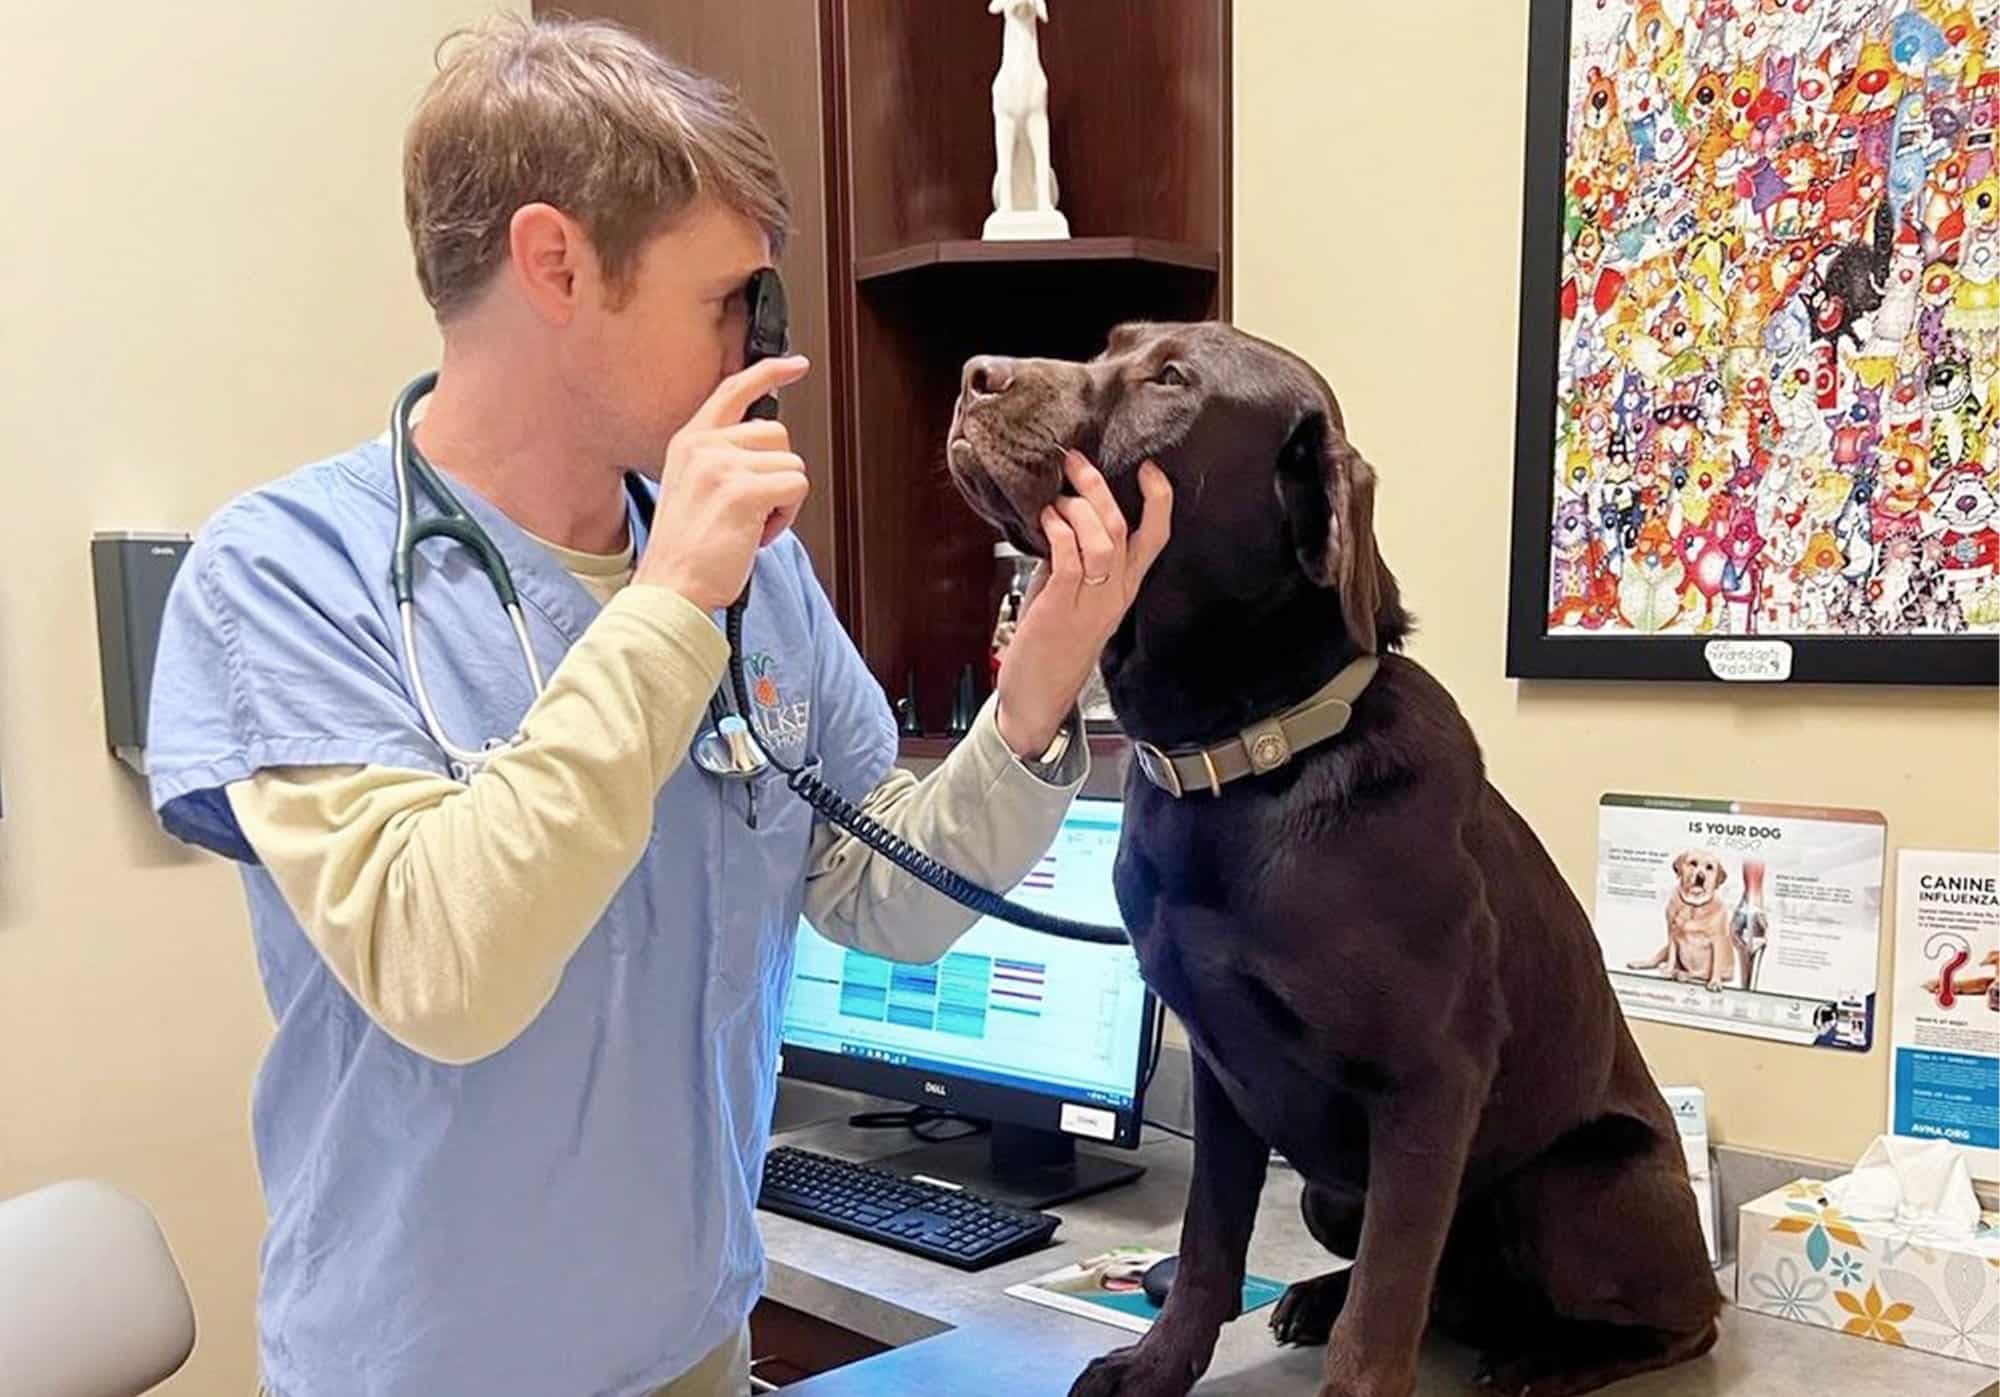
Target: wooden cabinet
[
  {"x": 881, "y": 114},
  {"x": 788, "y": 1346}
]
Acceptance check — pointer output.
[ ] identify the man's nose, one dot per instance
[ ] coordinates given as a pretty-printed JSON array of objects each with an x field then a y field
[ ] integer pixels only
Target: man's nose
[{"x": 987, "y": 375}]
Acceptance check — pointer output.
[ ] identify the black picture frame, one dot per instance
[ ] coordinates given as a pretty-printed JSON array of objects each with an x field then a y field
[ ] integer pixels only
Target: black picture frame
[{"x": 1532, "y": 652}]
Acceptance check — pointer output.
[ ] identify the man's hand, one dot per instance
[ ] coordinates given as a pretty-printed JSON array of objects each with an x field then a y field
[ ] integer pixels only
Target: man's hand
[
  {"x": 1076, "y": 600},
  {"x": 728, "y": 488}
]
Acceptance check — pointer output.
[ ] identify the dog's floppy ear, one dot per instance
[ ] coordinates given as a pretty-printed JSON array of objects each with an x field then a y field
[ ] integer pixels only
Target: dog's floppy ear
[
  {"x": 1721, "y": 873},
  {"x": 1328, "y": 494},
  {"x": 1680, "y": 864}
]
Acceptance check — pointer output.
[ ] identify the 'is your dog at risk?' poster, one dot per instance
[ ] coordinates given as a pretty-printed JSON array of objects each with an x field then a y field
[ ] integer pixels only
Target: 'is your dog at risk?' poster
[{"x": 1756, "y": 919}]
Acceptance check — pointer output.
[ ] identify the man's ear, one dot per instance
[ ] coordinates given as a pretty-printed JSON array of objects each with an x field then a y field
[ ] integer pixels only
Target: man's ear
[
  {"x": 550, "y": 260},
  {"x": 1328, "y": 494}
]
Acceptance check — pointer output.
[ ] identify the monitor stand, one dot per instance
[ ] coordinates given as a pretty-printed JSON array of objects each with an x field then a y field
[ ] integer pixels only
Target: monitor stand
[{"x": 1016, "y": 1165}]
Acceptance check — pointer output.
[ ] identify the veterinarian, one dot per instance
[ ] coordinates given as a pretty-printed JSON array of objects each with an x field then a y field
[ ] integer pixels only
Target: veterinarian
[{"x": 511, "y": 1124}]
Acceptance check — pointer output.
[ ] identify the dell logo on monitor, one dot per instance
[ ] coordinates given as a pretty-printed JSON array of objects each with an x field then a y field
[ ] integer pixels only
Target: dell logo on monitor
[{"x": 935, "y": 1089}]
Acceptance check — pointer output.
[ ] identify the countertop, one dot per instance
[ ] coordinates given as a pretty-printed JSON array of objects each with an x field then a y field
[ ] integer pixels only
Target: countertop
[{"x": 957, "y": 1333}]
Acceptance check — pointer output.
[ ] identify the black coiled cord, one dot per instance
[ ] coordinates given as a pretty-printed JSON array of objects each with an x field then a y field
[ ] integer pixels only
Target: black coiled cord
[{"x": 898, "y": 851}]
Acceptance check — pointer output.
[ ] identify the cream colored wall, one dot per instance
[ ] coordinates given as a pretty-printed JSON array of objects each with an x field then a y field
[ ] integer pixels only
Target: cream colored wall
[
  {"x": 207, "y": 282},
  {"x": 1378, "y": 168}
]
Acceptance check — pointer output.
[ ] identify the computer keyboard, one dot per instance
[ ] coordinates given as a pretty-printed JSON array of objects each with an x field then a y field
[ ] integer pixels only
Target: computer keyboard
[{"x": 879, "y": 1205}]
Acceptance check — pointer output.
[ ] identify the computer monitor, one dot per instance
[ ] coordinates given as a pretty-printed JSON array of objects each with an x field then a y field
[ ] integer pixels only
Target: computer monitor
[{"x": 1047, "y": 1039}]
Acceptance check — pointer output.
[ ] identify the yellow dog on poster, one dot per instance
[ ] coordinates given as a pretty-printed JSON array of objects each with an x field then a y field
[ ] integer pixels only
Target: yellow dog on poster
[{"x": 1699, "y": 949}]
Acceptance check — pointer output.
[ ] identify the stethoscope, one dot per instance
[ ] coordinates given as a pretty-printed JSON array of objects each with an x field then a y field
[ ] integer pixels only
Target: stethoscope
[
  {"x": 726, "y": 749},
  {"x": 729, "y": 749}
]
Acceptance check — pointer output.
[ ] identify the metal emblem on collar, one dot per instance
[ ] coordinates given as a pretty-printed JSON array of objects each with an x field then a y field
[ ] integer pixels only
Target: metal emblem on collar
[{"x": 1267, "y": 747}]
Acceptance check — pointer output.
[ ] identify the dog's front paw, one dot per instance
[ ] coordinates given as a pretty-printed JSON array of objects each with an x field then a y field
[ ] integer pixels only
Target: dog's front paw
[
  {"x": 1306, "y": 1311},
  {"x": 1140, "y": 1371}
]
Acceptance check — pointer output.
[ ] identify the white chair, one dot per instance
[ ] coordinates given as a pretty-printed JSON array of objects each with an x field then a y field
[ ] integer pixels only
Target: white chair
[{"x": 91, "y": 1301}]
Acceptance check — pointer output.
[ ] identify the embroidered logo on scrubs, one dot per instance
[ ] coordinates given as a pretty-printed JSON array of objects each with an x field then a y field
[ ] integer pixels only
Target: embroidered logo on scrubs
[{"x": 781, "y": 720}]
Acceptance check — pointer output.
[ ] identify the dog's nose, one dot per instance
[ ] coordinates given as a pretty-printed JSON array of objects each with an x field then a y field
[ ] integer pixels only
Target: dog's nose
[{"x": 988, "y": 374}]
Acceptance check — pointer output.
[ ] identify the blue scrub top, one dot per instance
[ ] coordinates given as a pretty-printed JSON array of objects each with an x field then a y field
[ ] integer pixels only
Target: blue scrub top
[{"x": 574, "y": 1214}]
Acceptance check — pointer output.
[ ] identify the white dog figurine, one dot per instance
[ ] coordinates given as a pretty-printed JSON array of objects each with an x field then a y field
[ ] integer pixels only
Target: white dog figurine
[{"x": 1024, "y": 184}]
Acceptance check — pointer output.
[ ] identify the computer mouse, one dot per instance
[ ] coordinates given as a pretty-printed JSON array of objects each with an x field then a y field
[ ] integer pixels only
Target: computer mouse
[{"x": 1159, "y": 1279}]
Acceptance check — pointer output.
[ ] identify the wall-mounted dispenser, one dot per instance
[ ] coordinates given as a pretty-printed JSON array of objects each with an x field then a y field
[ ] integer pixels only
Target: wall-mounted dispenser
[{"x": 132, "y": 572}]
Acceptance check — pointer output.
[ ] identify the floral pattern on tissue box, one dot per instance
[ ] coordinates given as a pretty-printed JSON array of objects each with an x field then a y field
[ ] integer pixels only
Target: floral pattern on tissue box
[{"x": 1799, "y": 1259}]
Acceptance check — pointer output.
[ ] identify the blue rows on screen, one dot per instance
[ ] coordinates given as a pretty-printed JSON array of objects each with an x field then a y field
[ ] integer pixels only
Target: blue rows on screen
[{"x": 1004, "y": 1007}]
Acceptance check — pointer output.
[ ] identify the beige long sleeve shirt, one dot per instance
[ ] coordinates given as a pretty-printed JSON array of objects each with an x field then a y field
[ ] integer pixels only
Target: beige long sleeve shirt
[{"x": 449, "y": 910}]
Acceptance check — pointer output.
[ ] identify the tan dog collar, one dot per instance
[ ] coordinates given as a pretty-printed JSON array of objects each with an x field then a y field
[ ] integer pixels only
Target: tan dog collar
[{"x": 1261, "y": 747}]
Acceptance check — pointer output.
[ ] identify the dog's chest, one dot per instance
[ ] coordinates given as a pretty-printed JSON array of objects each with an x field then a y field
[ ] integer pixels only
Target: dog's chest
[
  {"x": 1185, "y": 912},
  {"x": 1195, "y": 897},
  {"x": 1322, "y": 1129},
  {"x": 1268, "y": 1019}
]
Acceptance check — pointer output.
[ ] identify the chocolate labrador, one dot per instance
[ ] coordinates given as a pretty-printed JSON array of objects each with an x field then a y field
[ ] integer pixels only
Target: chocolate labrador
[{"x": 1381, "y": 972}]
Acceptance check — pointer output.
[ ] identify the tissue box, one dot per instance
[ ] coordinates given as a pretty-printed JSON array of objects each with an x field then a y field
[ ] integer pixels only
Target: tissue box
[{"x": 1802, "y": 1260}]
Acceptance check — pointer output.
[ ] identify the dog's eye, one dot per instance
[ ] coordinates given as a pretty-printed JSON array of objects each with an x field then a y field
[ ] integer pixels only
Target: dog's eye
[{"x": 1172, "y": 375}]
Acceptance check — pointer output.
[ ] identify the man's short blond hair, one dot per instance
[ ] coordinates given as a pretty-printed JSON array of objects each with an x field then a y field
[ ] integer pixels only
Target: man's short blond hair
[{"x": 582, "y": 115}]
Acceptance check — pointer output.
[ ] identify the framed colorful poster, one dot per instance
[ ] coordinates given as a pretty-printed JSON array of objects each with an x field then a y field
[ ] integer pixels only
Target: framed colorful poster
[
  {"x": 1761, "y": 920},
  {"x": 1758, "y": 422}
]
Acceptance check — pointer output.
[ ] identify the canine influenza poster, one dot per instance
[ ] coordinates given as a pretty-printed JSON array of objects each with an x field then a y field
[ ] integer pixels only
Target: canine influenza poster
[
  {"x": 1763, "y": 920},
  {"x": 1946, "y": 1025}
]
